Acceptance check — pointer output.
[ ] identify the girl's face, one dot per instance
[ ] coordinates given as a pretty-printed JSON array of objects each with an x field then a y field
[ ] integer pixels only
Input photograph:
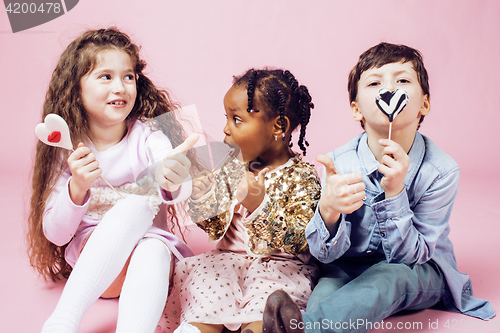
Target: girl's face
[
  {"x": 108, "y": 92},
  {"x": 249, "y": 131}
]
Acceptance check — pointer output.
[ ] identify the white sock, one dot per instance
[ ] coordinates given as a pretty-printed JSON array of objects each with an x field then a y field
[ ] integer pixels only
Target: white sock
[
  {"x": 145, "y": 289},
  {"x": 100, "y": 262},
  {"x": 187, "y": 328}
]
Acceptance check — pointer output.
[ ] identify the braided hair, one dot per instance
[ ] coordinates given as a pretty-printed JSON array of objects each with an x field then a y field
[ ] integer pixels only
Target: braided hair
[{"x": 281, "y": 95}]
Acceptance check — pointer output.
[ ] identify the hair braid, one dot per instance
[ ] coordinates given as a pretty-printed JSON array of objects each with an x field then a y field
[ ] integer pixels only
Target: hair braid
[
  {"x": 251, "y": 89},
  {"x": 294, "y": 85},
  {"x": 281, "y": 108},
  {"x": 305, "y": 114},
  {"x": 303, "y": 100}
]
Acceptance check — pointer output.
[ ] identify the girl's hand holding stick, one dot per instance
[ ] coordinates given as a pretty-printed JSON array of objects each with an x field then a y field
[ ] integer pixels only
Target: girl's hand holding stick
[{"x": 55, "y": 132}]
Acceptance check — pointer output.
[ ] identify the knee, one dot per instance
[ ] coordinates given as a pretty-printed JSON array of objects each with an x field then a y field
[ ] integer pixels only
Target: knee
[
  {"x": 134, "y": 202},
  {"x": 133, "y": 212},
  {"x": 319, "y": 293},
  {"x": 153, "y": 247},
  {"x": 398, "y": 276},
  {"x": 391, "y": 269}
]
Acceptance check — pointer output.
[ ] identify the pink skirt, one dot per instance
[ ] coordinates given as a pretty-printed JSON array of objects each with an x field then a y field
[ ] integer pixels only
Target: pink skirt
[{"x": 229, "y": 288}]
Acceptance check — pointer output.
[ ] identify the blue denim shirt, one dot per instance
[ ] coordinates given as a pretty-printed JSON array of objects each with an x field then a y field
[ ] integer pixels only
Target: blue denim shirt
[{"x": 411, "y": 228}]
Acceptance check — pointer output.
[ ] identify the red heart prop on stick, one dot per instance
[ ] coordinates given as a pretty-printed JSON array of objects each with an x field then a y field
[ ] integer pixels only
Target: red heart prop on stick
[
  {"x": 54, "y": 137},
  {"x": 54, "y": 132}
]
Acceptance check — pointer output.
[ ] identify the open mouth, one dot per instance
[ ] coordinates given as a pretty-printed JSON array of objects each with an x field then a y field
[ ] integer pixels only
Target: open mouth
[{"x": 117, "y": 103}]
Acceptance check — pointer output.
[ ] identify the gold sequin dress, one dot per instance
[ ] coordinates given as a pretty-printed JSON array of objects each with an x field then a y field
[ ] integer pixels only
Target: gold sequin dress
[{"x": 256, "y": 253}]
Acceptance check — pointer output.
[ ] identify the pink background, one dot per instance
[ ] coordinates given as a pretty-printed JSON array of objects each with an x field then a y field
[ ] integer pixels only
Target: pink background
[{"x": 193, "y": 48}]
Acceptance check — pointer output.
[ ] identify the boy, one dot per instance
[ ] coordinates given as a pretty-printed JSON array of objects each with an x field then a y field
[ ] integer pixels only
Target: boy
[{"x": 381, "y": 227}]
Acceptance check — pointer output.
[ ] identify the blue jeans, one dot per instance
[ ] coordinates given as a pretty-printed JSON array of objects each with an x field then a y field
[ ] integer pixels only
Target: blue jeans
[{"x": 352, "y": 297}]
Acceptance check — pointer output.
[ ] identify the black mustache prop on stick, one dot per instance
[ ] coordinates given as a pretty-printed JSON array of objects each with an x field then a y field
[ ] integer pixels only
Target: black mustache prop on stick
[{"x": 391, "y": 103}]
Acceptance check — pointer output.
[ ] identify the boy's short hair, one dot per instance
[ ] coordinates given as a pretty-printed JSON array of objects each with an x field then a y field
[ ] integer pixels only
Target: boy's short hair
[{"x": 386, "y": 53}]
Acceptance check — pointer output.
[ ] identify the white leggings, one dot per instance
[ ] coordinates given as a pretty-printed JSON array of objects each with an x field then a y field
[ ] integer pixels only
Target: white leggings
[{"x": 107, "y": 250}]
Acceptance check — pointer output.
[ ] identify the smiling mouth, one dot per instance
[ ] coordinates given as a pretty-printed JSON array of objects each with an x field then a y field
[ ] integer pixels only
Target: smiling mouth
[{"x": 117, "y": 103}]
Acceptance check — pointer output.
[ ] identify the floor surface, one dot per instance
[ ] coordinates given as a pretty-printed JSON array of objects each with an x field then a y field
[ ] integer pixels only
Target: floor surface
[{"x": 27, "y": 300}]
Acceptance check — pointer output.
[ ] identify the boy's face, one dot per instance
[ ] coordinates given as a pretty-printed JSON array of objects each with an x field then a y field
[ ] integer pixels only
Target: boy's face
[{"x": 392, "y": 76}]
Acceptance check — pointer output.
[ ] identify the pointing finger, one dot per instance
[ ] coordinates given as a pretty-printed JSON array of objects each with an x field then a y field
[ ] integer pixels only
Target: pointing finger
[{"x": 186, "y": 145}]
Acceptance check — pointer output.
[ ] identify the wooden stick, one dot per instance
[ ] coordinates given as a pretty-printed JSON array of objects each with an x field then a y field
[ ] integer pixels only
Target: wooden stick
[
  {"x": 112, "y": 187},
  {"x": 222, "y": 160},
  {"x": 390, "y": 129}
]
